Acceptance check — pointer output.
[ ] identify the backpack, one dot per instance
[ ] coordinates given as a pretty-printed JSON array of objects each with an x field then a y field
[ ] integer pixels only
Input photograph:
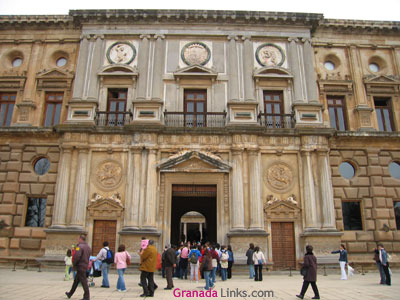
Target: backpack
[
  {"x": 193, "y": 258},
  {"x": 109, "y": 257}
]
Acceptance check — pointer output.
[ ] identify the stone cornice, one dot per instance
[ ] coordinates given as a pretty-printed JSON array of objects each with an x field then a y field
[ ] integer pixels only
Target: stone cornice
[
  {"x": 360, "y": 25},
  {"x": 46, "y": 20}
]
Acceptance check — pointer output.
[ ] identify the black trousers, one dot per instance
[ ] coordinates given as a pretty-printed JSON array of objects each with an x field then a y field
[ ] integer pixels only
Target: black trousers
[
  {"x": 305, "y": 287},
  {"x": 80, "y": 278},
  {"x": 147, "y": 281},
  {"x": 258, "y": 271},
  {"x": 386, "y": 270},
  {"x": 168, "y": 274},
  {"x": 230, "y": 264}
]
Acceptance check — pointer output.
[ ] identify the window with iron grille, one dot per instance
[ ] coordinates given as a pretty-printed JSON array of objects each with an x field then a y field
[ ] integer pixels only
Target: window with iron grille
[
  {"x": 36, "y": 212},
  {"x": 7, "y": 103}
]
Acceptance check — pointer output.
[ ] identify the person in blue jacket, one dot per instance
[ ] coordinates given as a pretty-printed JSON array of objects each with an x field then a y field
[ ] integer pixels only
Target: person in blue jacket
[
  {"x": 342, "y": 260},
  {"x": 231, "y": 260},
  {"x": 383, "y": 257}
]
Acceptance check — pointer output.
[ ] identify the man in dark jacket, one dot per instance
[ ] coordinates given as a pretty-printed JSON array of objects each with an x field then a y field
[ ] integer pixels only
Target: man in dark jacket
[
  {"x": 81, "y": 263},
  {"x": 170, "y": 263}
]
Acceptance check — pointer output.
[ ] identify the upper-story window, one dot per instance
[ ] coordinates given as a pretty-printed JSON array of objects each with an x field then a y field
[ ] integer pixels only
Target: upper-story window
[
  {"x": 195, "y": 108},
  {"x": 384, "y": 115},
  {"x": 336, "y": 108},
  {"x": 116, "y": 106},
  {"x": 7, "y": 102},
  {"x": 273, "y": 109},
  {"x": 53, "y": 108}
]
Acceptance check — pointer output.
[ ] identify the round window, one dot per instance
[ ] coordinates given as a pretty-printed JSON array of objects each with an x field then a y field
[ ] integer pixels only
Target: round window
[
  {"x": 17, "y": 62},
  {"x": 394, "y": 169},
  {"x": 373, "y": 67},
  {"x": 347, "y": 170},
  {"x": 61, "y": 62},
  {"x": 330, "y": 66},
  {"x": 42, "y": 166}
]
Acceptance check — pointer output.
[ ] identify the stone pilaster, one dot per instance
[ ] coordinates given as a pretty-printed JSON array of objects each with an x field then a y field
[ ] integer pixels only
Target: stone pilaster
[
  {"x": 233, "y": 72},
  {"x": 295, "y": 68},
  {"x": 356, "y": 70},
  {"x": 143, "y": 60},
  {"x": 80, "y": 193},
  {"x": 311, "y": 80},
  {"x": 158, "y": 63},
  {"x": 81, "y": 69},
  {"x": 151, "y": 191},
  {"x": 248, "y": 65},
  {"x": 256, "y": 205},
  {"x": 96, "y": 57},
  {"x": 326, "y": 192},
  {"x": 237, "y": 191},
  {"x": 310, "y": 205}
]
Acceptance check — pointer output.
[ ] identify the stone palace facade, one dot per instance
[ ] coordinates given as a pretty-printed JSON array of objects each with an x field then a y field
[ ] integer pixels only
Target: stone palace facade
[{"x": 280, "y": 129}]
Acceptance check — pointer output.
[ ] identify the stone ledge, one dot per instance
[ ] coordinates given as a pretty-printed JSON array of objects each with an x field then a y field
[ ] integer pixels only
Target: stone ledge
[{"x": 248, "y": 232}]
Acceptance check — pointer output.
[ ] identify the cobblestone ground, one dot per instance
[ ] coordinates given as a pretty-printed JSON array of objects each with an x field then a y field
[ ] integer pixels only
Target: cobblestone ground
[{"x": 49, "y": 285}]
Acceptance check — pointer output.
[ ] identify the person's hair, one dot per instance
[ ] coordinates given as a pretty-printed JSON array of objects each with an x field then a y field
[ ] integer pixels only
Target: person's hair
[
  {"x": 218, "y": 246},
  {"x": 207, "y": 253},
  {"x": 173, "y": 246},
  {"x": 213, "y": 246},
  {"x": 151, "y": 242},
  {"x": 69, "y": 253},
  {"x": 256, "y": 249},
  {"x": 223, "y": 247},
  {"x": 251, "y": 246},
  {"x": 380, "y": 244},
  {"x": 309, "y": 249},
  {"x": 230, "y": 248},
  {"x": 121, "y": 248},
  {"x": 193, "y": 246},
  {"x": 82, "y": 237},
  {"x": 105, "y": 244},
  {"x": 342, "y": 245},
  {"x": 143, "y": 238}
]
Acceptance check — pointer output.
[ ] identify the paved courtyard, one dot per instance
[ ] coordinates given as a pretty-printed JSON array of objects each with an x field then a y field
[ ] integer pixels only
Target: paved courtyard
[{"x": 49, "y": 285}]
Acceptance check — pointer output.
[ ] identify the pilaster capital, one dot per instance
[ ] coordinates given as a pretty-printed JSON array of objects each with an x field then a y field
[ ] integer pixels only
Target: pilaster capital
[
  {"x": 82, "y": 149},
  {"x": 237, "y": 150},
  {"x": 253, "y": 151},
  {"x": 66, "y": 148},
  {"x": 145, "y": 36},
  {"x": 306, "y": 41},
  {"x": 293, "y": 40},
  {"x": 246, "y": 38},
  {"x": 233, "y": 38},
  {"x": 159, "y": 36}
]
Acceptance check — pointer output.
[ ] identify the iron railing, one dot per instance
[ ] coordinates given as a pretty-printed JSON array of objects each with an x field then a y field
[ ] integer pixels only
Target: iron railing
[
  {"x": 206, "y": 119},
  {"x": 276, "y": 120},
  {"x": 113, "y": 118}
]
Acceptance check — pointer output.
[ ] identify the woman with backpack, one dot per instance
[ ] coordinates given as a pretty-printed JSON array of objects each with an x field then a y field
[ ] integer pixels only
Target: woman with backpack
[
  {"x": 224, "y": 263},
  {"x": 106, "y": 256},
  {"x": 194, "y": 257},
  {"x": 207, "y": 267},
  {"x": 122, "y": 260}
]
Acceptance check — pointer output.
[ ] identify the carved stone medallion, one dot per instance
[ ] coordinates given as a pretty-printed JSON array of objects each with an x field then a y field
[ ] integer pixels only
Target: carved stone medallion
[
  {"x": 121, "y": 53},
  {"x": 270, "y": 55},
  {"x": 195, "y": 53},
  {"x": 108, "y": 175},
  {"x": 279, "y": 177}
]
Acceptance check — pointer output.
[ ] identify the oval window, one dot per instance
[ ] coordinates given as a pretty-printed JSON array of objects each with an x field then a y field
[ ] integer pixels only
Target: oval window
[
  {"x": 61, "y": 62},
  {"x": 373, "y": 67},
  {"x": 17, "y": 62},
  {"x": 347, "y": 170},
  {"x": 42, "y": 166},
  {"x": 330, "y": 66},
  {"x": 394, "y": 169}
]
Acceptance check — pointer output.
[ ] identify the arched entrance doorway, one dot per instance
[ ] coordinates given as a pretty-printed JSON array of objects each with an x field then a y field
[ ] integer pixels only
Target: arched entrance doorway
[{"x": 193, "y": 227}]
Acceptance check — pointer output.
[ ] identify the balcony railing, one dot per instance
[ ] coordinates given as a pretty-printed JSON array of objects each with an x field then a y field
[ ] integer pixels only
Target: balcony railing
[
  {"x": 182, "y": 119},
  {"x": 276, "y": 120},
  {"x": 112, "y": 118}
]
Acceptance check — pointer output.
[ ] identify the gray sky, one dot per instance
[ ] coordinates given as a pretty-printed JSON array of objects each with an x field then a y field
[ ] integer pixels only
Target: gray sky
[{"x": 388, "y": 10}]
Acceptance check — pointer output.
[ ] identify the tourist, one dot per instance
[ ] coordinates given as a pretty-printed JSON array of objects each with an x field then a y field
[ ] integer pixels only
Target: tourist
[
  {"x": 183, "y": 262},
  {"x": 170, "y": 264},
  {"x": 231, "y": 260},
  {"x": 163, "y": 262},
  {"x": 194, "y": 257},
  {"x": 342, "y": 260},
  {"x": 215, "y": 261},
  {"x": 121, "y": 260},
  {"x": 68, "y": 264},
  {"x": 258, "y": 261},
  {"x": 148, "y": 264},
  {"x": 207, "y": 267},
  {"x": 379, "y": 266},
  {"x": 250, "y": 261},
  {"x": 81, "y": 263},
  {"x": 310, "y": 263},
  {"x": 224, "y": 263},
  {"x": 202, "y": 249},
  {"x": 105, "y": 255},
  {"x": 383, "y": 258}
]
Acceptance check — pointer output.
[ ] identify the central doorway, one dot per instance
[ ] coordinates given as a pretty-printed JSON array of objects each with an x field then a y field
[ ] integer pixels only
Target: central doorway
[{"x": 194, "y": 198}]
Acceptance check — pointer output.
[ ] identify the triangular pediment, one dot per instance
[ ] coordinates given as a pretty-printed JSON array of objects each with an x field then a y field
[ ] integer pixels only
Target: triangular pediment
[
  {"x": 272, "y": 72},
  {"x": 381, "y": 79},
  {"x": 195, "y": 70},
  {"x": 193, "y": 161},
  {"x": 118, "y": 70},
  {"x": 282, "y": 206},
  {"x": 100, "y": 206},
  {"x": 53, "y": 73}
]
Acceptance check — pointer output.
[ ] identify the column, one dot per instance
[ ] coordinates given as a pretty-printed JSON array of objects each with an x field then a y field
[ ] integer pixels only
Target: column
[
  {"x": 356, "y": 69},
  {"x": 256, "y": 207},
  {"x": 295, "y": 68},
  {"x": 151, "y": 190},
  {"x": 237, "y": 191},
  {"x": 62, "y": 186},
  {"x": 131, "y": 218},
  {"x": 80, "y": 193},
  {"x": 233, "y": 69},
  {"x": 311, "y": 80},
  {"x": 201, "y": 230},
  {"x": 310, "y": 205},
  {"x": 143, "y": 61},
  {"x": 81, "y": 69},
  {"x": 328, "y": 208},
  {"x": 158, "y": 63},
  {"x": 248, "y": 66},
  {"x": 185, "y": 231}
]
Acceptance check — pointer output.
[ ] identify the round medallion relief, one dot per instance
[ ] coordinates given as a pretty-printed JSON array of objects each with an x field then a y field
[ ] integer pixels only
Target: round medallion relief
[
  {"x": 108, "y": 174},
  {"x": 279, "y": 176},
  {"x": 121, "y": 53},
  {"x": 270, "y": 55},
  {"x": 195, "y": 53}
]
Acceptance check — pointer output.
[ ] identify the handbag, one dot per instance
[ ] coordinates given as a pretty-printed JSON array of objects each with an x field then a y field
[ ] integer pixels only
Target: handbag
[{"x": 304, "y": 271}]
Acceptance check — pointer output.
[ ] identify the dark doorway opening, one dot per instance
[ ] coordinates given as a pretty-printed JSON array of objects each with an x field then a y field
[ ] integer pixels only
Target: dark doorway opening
[{"x": 198, "y": 198}]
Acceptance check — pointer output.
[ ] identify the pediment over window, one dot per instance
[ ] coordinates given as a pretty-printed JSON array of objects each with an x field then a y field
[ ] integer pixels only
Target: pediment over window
[
  {"x": 12, "y": 80},
  {"x": 54, "y": 78},
  {"x": 118, "y": 70},
  {"x": 272, "y": 72},
  {"x": 281, "y": 208},
  {"x": 387, "y": 84},
  {"x": 195, "y": 162},
  {"x": 100, "y": 206},
  {"x": 195, "y": 71}
]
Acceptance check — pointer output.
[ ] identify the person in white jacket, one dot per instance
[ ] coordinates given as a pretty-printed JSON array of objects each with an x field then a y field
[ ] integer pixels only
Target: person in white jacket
[{"x": 259, "y": 261}]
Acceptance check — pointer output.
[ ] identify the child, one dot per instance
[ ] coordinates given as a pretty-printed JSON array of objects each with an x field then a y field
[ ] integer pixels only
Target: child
[{"x": 68, "y": 264}]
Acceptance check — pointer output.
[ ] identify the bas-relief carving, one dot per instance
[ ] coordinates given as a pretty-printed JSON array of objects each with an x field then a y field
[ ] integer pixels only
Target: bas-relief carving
[
  {"x": 277, "y": 208},
  {"x": 108, "y": 175},
  {"x": 270, "y": 55},
  {"x": 279, "y": 177},
  {"x": 195, "y": 53},
  {"x": 121, "y": 53}
]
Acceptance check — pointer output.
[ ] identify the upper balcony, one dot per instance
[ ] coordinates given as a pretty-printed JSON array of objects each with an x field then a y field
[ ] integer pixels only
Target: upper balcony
[
  {"x": 276, "y": 121},
  {"x": 112, "y": 118},
  {"x": 206, "y": 119}
]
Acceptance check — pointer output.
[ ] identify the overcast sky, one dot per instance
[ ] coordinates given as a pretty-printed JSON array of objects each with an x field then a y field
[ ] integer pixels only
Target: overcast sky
[{"x": 388, "y": 10}]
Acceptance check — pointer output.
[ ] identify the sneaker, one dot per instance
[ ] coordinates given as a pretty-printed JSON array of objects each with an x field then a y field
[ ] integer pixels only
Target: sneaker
[
  {"x": 315, "y": 297},
  {"x": 105, "y": 286},
  {"x": 122, "y": 291},
  {"x": 68, "y": 295},
  {"x": 300, "y": 296}
]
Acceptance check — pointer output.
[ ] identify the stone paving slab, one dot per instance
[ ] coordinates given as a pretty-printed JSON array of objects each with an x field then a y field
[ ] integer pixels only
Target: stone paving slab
[{"x": 32, "y": 285}]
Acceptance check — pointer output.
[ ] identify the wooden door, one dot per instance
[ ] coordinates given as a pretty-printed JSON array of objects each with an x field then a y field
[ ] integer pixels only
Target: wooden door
[
  {"x": 104, "y": 231},
  {"x": 283, "y": 247}
]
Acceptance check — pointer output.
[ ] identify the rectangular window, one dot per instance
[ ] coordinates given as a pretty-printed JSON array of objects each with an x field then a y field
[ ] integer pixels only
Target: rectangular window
[
  {"x": 7, "y": 103},
  {"x": 195, "y": 105},
  {"x": 351, "y": 211},
  {"x": 336, "y": 108},
  {"x": 36, "y": 212},
  {"x": 273, "y": 109},
  {"x": 116, "y": 106},
  {"x": 383, "y": 110},
  {"x": 53, "y": 108},
  {"x": 396, "y": 207}
]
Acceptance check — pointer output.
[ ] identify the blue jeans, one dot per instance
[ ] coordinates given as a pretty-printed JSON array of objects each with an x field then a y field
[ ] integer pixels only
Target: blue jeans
[
  {"x": 223, "y": 273},
  {"x": 105, "y": 268},
  {"x": 121, "y": 281},
  {"x": 381, "y": 272},
  {"x": 251, "y": 270},
  {"x": 207, "y": 277},
  {"x": 213, "y": 274}
]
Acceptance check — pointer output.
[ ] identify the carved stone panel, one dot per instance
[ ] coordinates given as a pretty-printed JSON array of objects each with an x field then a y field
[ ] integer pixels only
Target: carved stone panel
[
  {"x": 270, "y": 55},
  {"x": 279, "y": 177},
  {"x": 121, "y": 53},
  {"x": 195, "y": 53},
  {"x": 108, "y": 174}
]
